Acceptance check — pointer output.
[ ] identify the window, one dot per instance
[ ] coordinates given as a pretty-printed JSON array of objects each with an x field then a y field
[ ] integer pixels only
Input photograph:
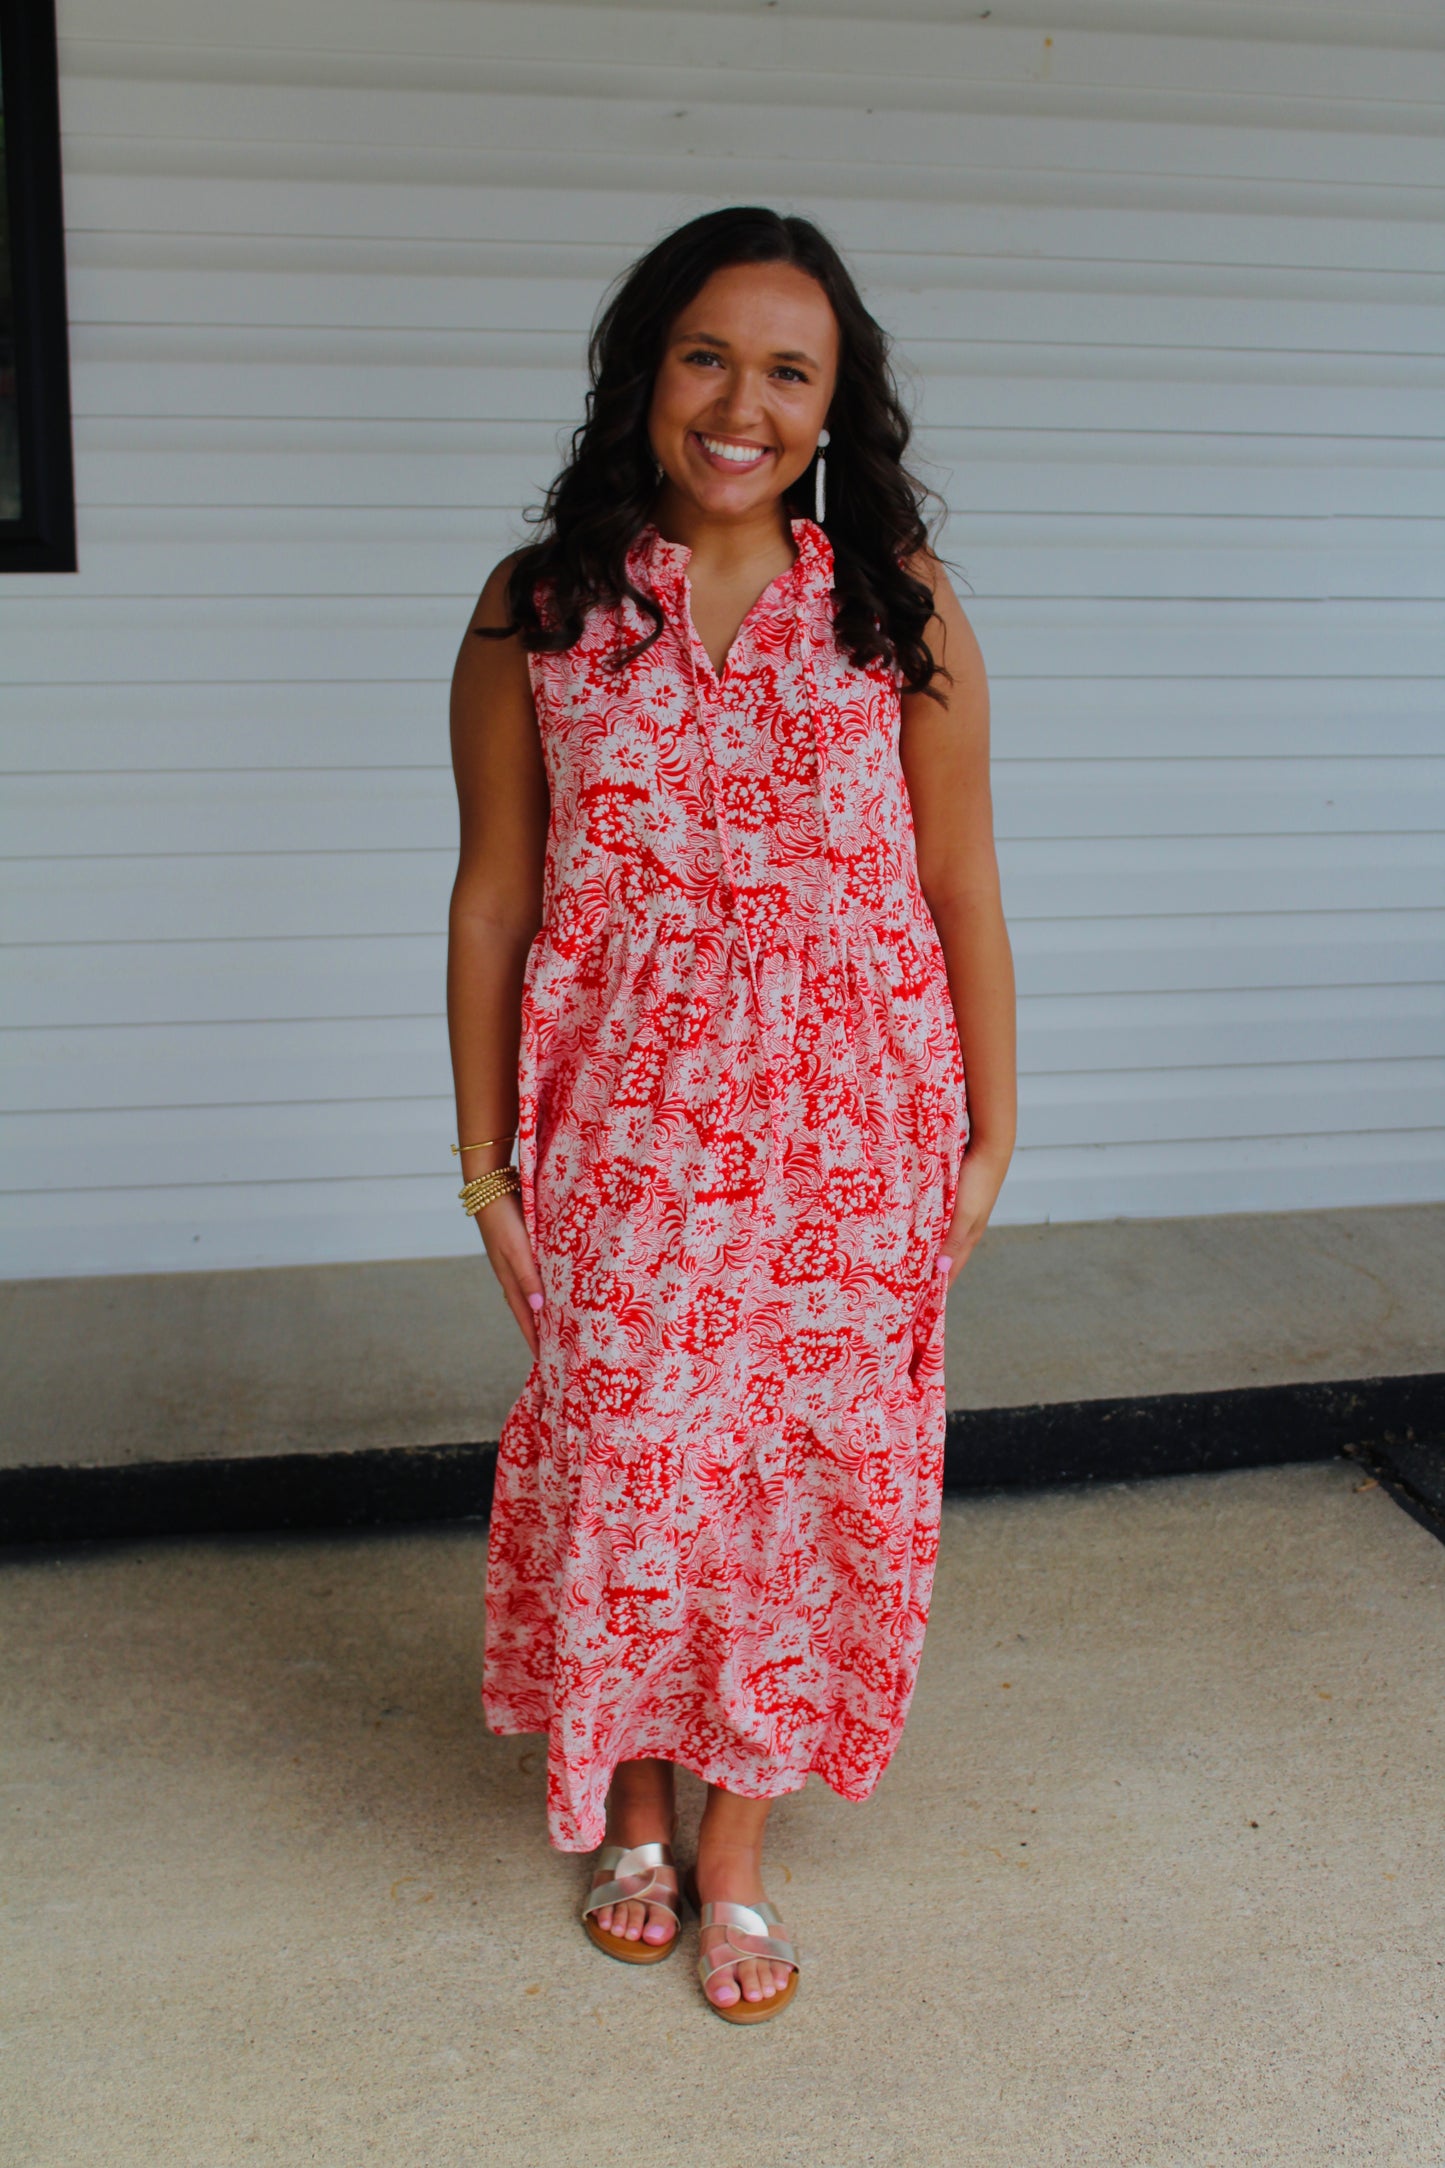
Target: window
[{"x": 37, "y": 495}]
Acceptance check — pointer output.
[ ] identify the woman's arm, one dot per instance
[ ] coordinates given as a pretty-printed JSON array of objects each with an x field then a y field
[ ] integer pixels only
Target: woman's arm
[
  {"x": 496, "y": 909},
  {"x": 944, "y": 750}
]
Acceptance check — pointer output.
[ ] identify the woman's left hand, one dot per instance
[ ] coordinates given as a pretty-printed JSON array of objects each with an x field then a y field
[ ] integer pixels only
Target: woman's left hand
[{"x": 979, "y": 1182}]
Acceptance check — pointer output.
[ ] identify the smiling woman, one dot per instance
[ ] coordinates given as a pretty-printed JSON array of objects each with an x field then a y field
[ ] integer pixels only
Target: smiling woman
[
  {"x": 665, "y": 325},
  {"x": 725, "y": 929},
  {"x": 783, "y": 391},
  {"x": 740, "y": 417}
]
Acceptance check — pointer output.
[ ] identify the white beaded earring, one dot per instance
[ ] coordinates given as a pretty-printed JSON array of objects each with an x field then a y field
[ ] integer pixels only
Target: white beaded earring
[{"x": 820, "y": 479}]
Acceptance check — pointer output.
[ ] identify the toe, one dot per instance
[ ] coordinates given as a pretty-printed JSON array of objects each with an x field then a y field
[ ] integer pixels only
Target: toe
[
  {"x": 660, "y": 1926},
  {"x": 603, "y": 1919},
  {"x": 633, "y": 1916},
  {"x": 722, "y": 1987},
  {"x": 755, "y": 1980}
]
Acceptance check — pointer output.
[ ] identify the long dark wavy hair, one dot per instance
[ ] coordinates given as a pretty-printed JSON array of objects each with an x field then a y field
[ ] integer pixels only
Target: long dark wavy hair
[{"x": 603, "y": 497}]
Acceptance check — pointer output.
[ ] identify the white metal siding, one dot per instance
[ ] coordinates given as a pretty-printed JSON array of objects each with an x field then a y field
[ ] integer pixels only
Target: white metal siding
[{"x": 1166, "y": 277}]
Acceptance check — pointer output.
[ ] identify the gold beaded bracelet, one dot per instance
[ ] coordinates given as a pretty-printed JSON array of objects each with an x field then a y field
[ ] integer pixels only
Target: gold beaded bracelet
[{"x": 485, "y": 1189}]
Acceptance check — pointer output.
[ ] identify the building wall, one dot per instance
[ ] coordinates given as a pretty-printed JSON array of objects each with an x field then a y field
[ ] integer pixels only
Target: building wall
[{"x": 1165, "y": 281}]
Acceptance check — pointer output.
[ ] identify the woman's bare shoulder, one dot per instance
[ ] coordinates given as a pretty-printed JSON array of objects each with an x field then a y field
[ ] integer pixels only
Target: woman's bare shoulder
[
  {"x": 491, "y": 664},
  {"x": 952, "y": 641},
  {"x": 493, "y": 604}
]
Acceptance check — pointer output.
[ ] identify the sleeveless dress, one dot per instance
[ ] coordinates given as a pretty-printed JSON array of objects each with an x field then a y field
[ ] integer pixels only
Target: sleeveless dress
[{"x": 742, "y": 1120}]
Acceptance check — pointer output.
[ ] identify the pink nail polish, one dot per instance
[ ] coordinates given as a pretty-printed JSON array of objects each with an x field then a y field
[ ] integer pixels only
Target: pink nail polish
[
  {"x": 535, "y": 1303},
  {"x": 943, "y": 1263}
]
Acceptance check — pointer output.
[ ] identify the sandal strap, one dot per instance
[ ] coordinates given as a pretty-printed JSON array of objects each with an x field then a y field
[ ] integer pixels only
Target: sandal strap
[
  {"x": 636, "y": 1856},
  {"x": 753, "y": 1919},
  {"x": 636, "y": 1869},
  {"x": 747, "y": 1936}
]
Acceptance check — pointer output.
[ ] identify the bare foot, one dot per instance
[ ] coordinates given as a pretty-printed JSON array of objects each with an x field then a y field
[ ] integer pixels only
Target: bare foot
[{"x": 639, "y": 1811}]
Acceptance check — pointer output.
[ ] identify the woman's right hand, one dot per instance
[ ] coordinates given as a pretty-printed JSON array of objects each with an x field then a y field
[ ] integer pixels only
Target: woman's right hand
[{"x": 504, "y": 1235}]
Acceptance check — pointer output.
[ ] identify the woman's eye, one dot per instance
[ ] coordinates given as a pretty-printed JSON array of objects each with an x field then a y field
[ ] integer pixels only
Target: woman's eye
[{"x": 785, "y": 369}]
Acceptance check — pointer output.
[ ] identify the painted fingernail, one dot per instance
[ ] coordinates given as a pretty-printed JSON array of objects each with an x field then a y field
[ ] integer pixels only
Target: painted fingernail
[
  {"x": 535, "y": 1302},
  {"x": 943, "y": 1263}
]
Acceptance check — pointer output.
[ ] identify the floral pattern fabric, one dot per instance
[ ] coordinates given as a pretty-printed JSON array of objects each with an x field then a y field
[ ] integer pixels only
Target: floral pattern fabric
[{"x": 742, "y": 1121}]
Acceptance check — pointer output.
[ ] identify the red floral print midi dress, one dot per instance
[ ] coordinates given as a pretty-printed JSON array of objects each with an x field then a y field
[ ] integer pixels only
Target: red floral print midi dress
[{"x": 742, "y": 1120}]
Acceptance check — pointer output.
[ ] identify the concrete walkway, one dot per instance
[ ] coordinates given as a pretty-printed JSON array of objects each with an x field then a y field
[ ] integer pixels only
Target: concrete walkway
[{"x": 1155, "y": 1881}]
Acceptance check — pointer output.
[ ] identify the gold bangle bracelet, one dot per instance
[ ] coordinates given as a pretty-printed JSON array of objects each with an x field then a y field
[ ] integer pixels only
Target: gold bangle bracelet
[
  {"x": 485, "y": 1189},
  {"x": 458, "y": 1149}
]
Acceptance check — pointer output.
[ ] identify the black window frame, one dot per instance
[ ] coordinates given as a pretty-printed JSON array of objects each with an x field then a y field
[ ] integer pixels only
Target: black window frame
[{"x": 43, "y": 538}]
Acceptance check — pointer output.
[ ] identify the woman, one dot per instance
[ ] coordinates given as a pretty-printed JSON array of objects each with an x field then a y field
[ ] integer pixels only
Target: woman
[{"x": 725, "y": 932}]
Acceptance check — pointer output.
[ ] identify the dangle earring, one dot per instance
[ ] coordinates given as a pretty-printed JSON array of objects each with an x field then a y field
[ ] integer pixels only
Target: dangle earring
[{"x": 820, "y": 479}]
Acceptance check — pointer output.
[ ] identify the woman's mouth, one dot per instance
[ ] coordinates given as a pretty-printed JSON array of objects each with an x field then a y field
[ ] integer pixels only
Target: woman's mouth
[{"x": 729, "y": 456}]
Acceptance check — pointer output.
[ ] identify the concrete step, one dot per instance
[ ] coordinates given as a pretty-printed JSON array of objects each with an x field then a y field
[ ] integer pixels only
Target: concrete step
[{"x": 348, "y": 1394}]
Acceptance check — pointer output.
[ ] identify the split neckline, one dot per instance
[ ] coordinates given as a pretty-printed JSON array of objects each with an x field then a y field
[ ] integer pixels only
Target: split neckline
[{"x": 810, "y": 571}]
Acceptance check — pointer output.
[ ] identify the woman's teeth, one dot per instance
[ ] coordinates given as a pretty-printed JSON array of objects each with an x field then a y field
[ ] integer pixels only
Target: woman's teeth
[{"x": 742, "y": 455}]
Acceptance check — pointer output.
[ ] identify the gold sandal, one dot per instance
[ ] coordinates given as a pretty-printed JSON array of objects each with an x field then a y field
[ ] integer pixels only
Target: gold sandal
[
  {"x": 748, "y": 1936},
  {"x": 635, "y": 1871}
]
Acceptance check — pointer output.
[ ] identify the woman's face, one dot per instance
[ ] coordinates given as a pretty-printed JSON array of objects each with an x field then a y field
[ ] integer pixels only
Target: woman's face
[{"x": 743, "y": 388}]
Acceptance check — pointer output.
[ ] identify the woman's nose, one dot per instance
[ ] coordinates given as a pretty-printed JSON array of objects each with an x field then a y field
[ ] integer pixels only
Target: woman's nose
[{"x": 740, "y": 397}]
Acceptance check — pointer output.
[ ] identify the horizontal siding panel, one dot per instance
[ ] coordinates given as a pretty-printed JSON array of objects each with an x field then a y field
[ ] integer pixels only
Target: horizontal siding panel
[
  {"x": 1064, "y": 1035},
  {"x": 324, "y": 1061},
  {"x": 1067, "y": 798},
  {"x": 414, "y": 808},
  {"x": 458, "y": 378},
  {"x": 1170, "y": 955},
  {"x": 1190, "y": 877},
  {"x": 1017, "y": 115},
  {"x": 981, "y": 146},
  {"x": 152, "y": 982},
  {"x": 154, "y": 278},
  {"x": 1275, "y": 1174},
  {"x": 955, "y": 127},
  {"x": 393, "y": 975},
  {"x": 1269, "y": 718},
  {"x": 1185, "y": 1106},
  {"x": 628, "y": 195},
  {"x": 148, "y": 1148},
  {"x": 367, "y": 809},
  {"x": 1207, "y": 474},
  {"x": 230, "y": 552},
  {"x": 45, "y": 729},
  {"x": 80, "y": 640},
  {"x": 218, "y": 1225},
  {"x": 234, "y": 726},
  {"x": 334, "y": 1061},
  {"x": 1304, "y": 47},
  {"x": 216, "y": 897},
  {"x": 291, "y": 1142},
  {"x": 497, "y": 467}
]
